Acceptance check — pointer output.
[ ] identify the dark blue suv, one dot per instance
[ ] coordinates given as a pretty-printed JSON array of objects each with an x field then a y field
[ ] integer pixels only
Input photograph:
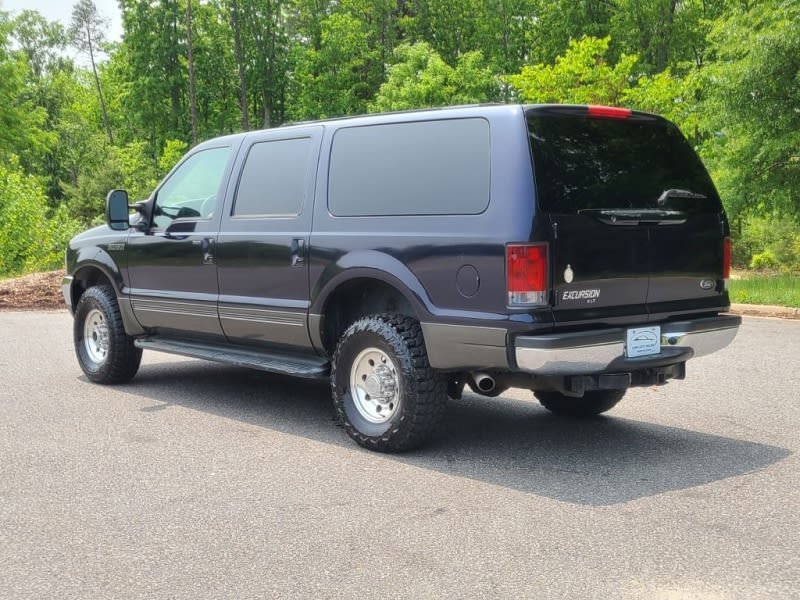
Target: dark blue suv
[{"x": 575, "y": 251}]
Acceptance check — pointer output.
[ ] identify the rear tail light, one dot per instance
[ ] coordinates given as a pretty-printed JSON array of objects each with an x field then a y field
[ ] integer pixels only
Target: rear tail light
[
  {"x": 526, "y": 269},
  {"x": 726, "y": 260},
  {"x": 609, "y": 112}
]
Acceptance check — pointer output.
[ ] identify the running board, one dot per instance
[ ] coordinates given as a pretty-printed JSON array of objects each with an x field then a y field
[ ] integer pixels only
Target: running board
[{"x": 295, "y": 365}]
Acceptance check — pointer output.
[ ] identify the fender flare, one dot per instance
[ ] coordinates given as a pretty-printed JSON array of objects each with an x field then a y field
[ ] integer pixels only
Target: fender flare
[
  {"x": 370, "y": 264},
  {"x": 93, "y": 257}
]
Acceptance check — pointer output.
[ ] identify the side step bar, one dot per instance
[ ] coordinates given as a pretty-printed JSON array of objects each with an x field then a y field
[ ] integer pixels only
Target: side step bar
[{"x": 296, "y": 365}]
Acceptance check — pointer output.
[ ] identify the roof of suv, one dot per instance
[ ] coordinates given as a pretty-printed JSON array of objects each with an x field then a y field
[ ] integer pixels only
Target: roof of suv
[{"x": 468, "y": 110}]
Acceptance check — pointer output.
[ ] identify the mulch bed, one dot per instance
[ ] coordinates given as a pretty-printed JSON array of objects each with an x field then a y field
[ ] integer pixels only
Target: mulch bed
[{"x": 38, "y": 291}]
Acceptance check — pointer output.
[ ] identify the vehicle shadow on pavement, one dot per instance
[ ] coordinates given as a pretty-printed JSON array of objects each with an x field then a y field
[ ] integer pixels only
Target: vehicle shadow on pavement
[{"x": 502, "y": 441}]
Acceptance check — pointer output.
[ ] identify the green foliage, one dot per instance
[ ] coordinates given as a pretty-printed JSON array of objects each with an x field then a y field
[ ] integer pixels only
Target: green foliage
[
  {"x": 420, "y": 78},
  {"x": 128, "y": 167},
  {"x": 767, "y": 242},
  {"x": 558, "y": 22},
  {"x": 340, "y": 77},
  {"x": 753, "y": 107},
  {"x": 581, "y": 76},
  {"x": 776, "y": 290},
  {"x": 21, "y": 120},
  {"x": 30, "y": 239},
  {"x": 173, "y": 151},
  {"x": 763, "y": 260}
]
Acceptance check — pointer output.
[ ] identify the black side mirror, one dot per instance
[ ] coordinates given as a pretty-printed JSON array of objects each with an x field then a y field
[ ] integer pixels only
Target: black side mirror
[{"x": 117, "y": 210}]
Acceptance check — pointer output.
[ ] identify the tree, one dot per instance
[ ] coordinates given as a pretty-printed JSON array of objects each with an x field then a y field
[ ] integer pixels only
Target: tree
[
  {"x": 30, "y": 239},
  {"x": 556, "y": 22},
  {"x": 236, "y": 26},
  {"x": 87, "y": 31},
  {"x": 420, "y": 79},
  {"x": 753, "y": 107},
  {"x": 21, "y": 120},
  {"x": 585, "y": 75},
  {"x": 337, "y": 79},
  {"x": 582, "y": 75},
  {"x": 190, "y": 60}
]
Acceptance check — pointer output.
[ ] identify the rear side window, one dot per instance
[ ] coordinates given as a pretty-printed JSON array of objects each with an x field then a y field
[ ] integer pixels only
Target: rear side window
[
  {"x": 421, "y": 168},
  {"x": 273, "y": 180},
  {"x": 597, "y": 163}
]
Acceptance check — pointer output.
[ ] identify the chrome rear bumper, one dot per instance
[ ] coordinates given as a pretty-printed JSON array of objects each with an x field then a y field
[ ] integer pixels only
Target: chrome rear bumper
[{"x": 584, "y": 353}]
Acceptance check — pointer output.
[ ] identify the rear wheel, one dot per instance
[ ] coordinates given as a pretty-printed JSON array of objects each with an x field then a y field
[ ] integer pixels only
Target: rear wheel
[
  {"x": 105, "y": 352},
  {"x": 590, "y": 404},
  {"x": 385, "y": 392}
]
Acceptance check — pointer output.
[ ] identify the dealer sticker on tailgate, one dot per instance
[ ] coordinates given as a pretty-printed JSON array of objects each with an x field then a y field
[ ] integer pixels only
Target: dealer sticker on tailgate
[{"x": 643, "y": 341}]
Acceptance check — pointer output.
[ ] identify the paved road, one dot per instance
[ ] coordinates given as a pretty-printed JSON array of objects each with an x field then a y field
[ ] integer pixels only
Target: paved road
[{"x": 202, "y": 481}]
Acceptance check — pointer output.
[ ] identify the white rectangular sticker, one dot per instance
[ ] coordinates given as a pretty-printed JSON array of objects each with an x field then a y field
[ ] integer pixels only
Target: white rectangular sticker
[{"x": 643, "y": 341}]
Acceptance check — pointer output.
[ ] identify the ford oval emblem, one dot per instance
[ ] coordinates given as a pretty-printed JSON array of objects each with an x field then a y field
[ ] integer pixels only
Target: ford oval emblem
[
  {"x": 568, "y": 274},
  {"x": 707, "y": 284}
]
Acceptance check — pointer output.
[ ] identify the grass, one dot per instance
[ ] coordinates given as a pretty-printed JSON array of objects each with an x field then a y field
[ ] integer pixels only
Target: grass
[{"x": 779, "y": 290}]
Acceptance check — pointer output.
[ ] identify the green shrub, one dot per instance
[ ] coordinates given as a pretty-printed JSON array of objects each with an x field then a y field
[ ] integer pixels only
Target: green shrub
[
  {"x": 30, "y": 238},
  {"x": 763, "y": 260},
  {"x": 767, "y": 242}
]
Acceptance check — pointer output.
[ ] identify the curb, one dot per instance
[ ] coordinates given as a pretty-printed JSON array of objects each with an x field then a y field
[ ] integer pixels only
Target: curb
[{"x": 765, "y": 310}]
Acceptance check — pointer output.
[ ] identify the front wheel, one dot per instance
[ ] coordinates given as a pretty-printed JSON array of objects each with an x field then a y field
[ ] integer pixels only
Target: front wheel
[
  {"x": 105, "y": 352},
  {"x": 590, "y": 404},
  {"x": 385, "y": 392}
]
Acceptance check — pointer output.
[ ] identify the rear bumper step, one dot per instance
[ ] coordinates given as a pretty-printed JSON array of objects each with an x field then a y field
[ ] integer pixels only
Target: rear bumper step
[
  {"x": 297, "y": 366},
  {"x": 604, "y": 350}
]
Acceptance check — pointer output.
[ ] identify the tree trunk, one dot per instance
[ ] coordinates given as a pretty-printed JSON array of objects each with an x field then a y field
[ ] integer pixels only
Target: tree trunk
[
  {"x": 190, "y": 53},
  {"x": 106, "y": 123},
  {"x": 237, "y": 46}
]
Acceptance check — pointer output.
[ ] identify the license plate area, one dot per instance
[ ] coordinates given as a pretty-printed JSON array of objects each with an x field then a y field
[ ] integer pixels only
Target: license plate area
[{"x": 643, "y": 341}]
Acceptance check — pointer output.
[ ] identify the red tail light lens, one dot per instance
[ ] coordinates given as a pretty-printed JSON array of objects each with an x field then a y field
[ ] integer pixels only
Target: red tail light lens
[
  {"x": 726, "y": 259},
  {"x": 609, "y": 112},
  {"x": 526, "y": 268}
]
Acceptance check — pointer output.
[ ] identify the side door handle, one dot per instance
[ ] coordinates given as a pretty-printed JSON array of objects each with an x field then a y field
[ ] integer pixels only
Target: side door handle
[
  {"x": 207, "y": 246},
  {"x": 298, "y": 252}
]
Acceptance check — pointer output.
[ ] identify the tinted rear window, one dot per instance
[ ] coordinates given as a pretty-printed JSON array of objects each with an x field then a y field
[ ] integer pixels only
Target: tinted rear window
[
  {"x": 595, "y": 163},
  {"x": 421, "y": 168},
  {"x": 274, "y": 178}
]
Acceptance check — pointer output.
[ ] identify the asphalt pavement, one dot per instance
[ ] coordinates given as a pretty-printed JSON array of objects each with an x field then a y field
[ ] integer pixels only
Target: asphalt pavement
[{"x": 198, "y": 480}]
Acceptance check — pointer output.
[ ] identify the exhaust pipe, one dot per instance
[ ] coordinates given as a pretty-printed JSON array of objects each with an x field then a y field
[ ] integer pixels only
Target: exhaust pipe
[{"x": 483, "y": 383}]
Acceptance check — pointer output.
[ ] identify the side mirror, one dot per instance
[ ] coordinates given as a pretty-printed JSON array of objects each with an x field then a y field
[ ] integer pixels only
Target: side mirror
[{"x": 117, "y": 210}]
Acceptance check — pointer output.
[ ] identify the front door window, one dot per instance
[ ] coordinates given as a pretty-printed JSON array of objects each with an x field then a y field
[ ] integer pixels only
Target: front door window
[{"x": 192, "y": 190}]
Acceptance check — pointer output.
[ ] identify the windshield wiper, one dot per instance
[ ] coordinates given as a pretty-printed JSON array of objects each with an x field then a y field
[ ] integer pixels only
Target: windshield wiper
[
  {"x": 635, "y": 216},
  {"x": 674, "y": 193}
]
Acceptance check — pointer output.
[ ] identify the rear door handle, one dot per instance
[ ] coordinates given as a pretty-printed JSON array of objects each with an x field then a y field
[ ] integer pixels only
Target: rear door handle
[{"x": 298, "y": 252}]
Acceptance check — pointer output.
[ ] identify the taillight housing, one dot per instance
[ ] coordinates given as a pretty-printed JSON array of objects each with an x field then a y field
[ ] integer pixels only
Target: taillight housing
[
  {"x": 726, "y": 260},
  {"x": 526, "y": 274}
]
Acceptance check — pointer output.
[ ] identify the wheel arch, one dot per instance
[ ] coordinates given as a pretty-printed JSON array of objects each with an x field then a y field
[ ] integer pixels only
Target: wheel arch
[
  {"x": 88, "y": 275},
  {"x": 100, "y": 269},
  {"x": 363, "y": 283}
]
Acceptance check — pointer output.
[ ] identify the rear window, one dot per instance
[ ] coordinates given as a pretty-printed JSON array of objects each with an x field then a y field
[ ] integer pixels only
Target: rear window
[
  {"x": 420, "y": 168},
  {"x": 599, "y": 163},
  {"x": 274, "y": 179}
]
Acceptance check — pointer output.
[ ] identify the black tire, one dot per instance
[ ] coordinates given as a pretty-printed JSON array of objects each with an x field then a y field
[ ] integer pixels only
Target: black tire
[
  {"x": 109, "y": 356},
  {"x": 416, "y": 407},
  {"x": 591, "y": 404}
]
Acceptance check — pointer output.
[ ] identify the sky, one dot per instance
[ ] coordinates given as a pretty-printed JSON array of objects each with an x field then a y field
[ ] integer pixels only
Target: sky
[{"x": 61, "y": 10}]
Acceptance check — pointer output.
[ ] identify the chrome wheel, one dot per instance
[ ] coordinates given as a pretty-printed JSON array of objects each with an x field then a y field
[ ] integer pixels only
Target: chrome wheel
[
  {"x": 95, "y": 336},
  {"x": 374, "y": 385}
]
